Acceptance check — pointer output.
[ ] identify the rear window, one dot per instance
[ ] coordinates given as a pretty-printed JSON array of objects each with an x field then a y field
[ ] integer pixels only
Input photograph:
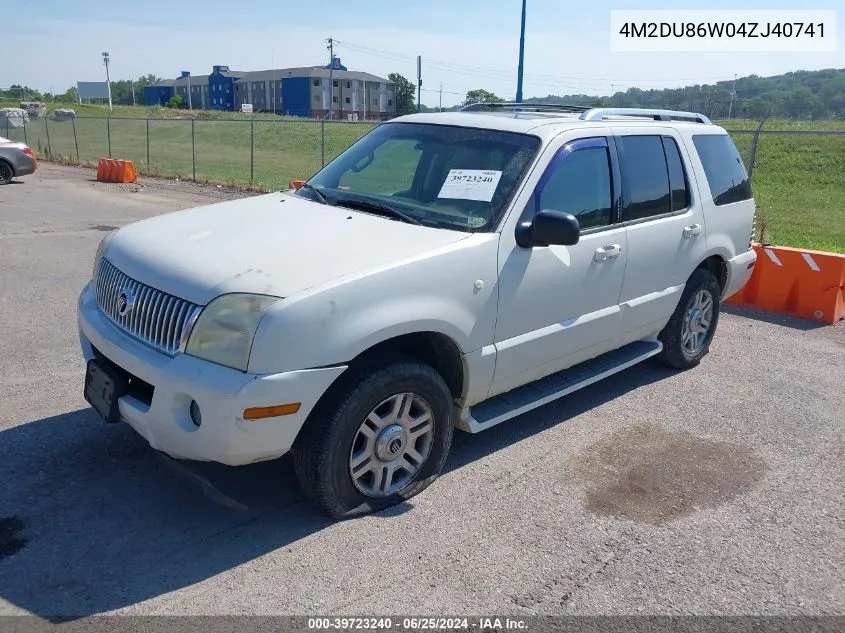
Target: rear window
[{"x": 723, "y": 168}]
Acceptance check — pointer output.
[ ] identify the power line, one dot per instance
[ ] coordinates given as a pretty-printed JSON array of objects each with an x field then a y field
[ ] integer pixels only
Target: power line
[
  {"x": 445, "y": 92},
  {"x": 491, "y": 73}
]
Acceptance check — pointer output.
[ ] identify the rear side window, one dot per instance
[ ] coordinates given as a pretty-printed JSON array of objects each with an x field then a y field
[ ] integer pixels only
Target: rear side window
[
  {"x": 723, "y": 168},
  {"x": 677, "y": 175},
  {"x": 647, "y": 175}
]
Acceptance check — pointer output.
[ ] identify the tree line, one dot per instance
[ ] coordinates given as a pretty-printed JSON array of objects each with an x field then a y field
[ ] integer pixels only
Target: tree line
[
  {"x": 803, "y": 94},
  {"x": 121, "y": 92}
]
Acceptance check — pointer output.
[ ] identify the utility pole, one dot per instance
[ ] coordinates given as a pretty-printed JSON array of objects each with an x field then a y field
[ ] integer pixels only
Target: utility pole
[
  {"x": 331, "y": 78},
  {"x": 419, "y": 81},
  {"x": 612, "y": 91},
  {"x": 108, "y": 80},
  {"x": 274, "y": 81},
  {"x": 521, "y": 57},
  {"x": 190, "y": 104},
  {"x": 133, "y": 92},
  {"x": 733, "y": 93},
  {"x": 440, "y": 106}
]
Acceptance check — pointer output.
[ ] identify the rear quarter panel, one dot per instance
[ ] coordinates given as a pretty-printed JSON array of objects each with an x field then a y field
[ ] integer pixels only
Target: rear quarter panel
[{"x": 728, "y": 227}]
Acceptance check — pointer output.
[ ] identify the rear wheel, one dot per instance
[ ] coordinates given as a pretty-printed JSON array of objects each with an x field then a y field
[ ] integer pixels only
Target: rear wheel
[
  {"x": 6, "y": 173},
  {"x": 686, "y": 338},
  {"x": 380, "y": 437}
]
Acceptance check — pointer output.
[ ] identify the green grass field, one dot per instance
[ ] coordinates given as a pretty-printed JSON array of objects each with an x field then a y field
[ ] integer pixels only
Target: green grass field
[
  {"x": 798, "y": 180},
  {"x": 798, "y": 183},
  {"x": 279, "y": 149}
]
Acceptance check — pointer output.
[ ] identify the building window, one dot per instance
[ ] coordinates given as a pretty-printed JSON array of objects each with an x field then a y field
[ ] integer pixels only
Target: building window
[
  {"x": 317, "y": 82},
  {"x": 334, "y": 84},
  {"x": 316, "y": 98},
  {"x": 375, "y": 101},
  {"x": 348, "y": 100},
  {"x": 390, "y": 102},
  {"x": 334, "y": 99},
  {"x": 348, "y": 84}
]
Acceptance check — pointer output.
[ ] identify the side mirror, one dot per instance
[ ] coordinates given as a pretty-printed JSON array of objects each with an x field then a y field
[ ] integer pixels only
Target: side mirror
[{"x": 549, "y": 227}]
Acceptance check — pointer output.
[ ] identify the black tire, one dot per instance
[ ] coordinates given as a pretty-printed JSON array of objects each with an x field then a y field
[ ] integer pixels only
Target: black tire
[
  {"x": 322, "y": 450},
  {"x": 6, "y": 173},
  {"x": 674, "y": 353}
]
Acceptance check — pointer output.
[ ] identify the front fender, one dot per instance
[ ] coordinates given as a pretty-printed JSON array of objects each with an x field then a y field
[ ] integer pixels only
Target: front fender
[{"x": 436, "y": 292}]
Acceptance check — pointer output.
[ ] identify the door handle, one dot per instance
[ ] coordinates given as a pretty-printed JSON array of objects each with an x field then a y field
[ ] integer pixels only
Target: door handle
[
  {"x": 607, "y": 252},
  {"x": 692, "y": 231}
]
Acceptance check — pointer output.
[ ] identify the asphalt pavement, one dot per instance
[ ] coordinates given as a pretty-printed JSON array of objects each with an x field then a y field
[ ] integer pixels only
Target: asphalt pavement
[{"x": 714, "y": 491}]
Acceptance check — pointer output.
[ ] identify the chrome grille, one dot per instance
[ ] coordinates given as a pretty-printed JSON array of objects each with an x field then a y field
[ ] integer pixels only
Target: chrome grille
[{"x": 156, "y": 318}]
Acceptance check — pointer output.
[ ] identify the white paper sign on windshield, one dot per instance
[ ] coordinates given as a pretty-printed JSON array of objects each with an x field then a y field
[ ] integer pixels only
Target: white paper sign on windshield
[{"x": 470, "y": 184}]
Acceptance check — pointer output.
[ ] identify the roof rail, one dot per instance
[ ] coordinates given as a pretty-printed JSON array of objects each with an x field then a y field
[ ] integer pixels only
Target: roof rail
[
  {"x": 524, "y": 107},
  {"x": 597, "y": 114}
]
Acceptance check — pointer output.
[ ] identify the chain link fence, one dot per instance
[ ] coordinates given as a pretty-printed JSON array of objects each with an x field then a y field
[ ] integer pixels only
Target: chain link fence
[
  {"x": 798, "y": 180},
  {"x": 263, "y": 153},
  {"x": 798, "y": 171}
]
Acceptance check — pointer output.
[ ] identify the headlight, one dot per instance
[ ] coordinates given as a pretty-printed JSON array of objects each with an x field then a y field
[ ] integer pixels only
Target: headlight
[
  {"x": 101, "y": 250},
  {"x": 225, "y": 328}
]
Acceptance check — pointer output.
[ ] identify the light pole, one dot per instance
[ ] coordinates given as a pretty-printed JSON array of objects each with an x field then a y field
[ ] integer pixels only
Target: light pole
[
  {"x": 733, "y": 94},
  {"x": 331, "y": 78},
  {"x": 108, "y": 81},
  {"x": 521, "y": 57},
  {"x": 419, "y": 82}
]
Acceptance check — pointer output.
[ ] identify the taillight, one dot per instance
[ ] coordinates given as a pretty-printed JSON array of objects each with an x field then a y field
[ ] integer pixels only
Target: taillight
[{"x": 29, "y": 153}]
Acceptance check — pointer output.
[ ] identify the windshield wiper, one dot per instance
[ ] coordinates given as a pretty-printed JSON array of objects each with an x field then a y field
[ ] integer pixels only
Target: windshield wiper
[
  {"x": 316, "y": 192},
  {"x": 378, "y": 208}
]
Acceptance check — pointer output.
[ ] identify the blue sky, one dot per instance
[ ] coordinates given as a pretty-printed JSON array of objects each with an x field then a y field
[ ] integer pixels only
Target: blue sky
[{"x": 465, "y": 44}]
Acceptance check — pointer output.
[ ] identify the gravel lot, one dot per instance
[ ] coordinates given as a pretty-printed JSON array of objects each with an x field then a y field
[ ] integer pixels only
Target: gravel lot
[{"x": 715, "y": 491}]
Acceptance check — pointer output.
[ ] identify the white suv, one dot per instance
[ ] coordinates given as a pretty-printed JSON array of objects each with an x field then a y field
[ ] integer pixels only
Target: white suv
[{"x": 452, "y": 269}]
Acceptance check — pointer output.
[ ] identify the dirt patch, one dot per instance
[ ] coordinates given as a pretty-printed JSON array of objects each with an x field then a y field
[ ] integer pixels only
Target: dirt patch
[
  {"x": 10, "y": 540},
  {"x": 652, "y": 475},
  {"x": 103, "y": 227}
]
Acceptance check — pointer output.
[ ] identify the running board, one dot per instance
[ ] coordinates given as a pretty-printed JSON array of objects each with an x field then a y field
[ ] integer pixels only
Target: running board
[{"x": 522, "y": 399}]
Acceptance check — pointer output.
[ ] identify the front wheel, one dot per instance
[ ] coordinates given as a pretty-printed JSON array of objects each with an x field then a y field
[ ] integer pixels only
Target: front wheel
[
  {"x": 687, "y": 336},
  {"x": 380, "y": 437}
]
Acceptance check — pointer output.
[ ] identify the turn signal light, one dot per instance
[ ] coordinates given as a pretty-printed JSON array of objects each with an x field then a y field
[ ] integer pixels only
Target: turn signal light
[
  {"x": 258, "y": 413},
  {"x": 296, "y": 184}
]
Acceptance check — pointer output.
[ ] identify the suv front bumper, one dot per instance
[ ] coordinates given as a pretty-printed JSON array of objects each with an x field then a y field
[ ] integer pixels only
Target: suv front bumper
[{"x": 221, "y": 393}]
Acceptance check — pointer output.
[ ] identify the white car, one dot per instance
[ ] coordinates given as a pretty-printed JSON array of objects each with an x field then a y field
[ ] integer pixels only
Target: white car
[{"x": 449, "y": 269}]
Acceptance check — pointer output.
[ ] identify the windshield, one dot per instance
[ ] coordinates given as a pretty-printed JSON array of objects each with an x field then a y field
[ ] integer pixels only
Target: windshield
[{"x": 436, "y": 175}]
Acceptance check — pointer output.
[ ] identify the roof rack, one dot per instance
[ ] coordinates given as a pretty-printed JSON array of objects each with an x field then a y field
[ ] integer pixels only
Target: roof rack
[
  {"x": 597, "y": 114},
  {"x": 524, "y": 107}
]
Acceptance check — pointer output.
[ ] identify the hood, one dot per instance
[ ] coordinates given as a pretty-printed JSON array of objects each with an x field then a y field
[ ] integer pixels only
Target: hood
[{"x": 273, "y": 244}]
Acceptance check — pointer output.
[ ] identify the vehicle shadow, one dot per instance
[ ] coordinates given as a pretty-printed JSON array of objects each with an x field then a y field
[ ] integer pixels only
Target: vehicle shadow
[
  {"x": 774, "y": 318},
  {"x": 92, "y": 520}
]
